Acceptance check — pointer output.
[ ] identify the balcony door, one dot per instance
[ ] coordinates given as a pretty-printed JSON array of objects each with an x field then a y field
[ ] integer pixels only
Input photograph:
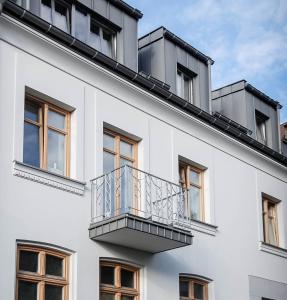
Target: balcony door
[{"x": 118, "y": 152}]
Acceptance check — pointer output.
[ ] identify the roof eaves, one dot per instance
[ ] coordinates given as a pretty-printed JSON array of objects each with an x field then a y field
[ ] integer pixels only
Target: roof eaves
[
  {"x": 133, "y": 12},
  {"x": 99, "y": 58},
  {"x": 250, "y": 88}
]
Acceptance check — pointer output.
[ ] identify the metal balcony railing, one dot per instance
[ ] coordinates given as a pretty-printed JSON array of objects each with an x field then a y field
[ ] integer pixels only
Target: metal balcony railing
[{"x": 130, "y": 190}]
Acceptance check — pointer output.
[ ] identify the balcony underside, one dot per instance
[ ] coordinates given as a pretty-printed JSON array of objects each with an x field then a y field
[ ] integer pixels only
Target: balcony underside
[{"x": 138, "y": 233}]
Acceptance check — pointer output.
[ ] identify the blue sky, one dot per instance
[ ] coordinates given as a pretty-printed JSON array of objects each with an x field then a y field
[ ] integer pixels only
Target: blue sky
[{"x": 247, "y": 39}]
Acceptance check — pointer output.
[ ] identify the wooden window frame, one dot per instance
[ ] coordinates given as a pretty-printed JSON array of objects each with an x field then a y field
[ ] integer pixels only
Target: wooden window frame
[
  {"x": 118, "y": 138},
  {"x": 116, "y": 152},
  {"x": 186, "y": 185},
  {"x": 266, "y": 202},
  {"x": 43, "y": 126},
  {"x": 117, "y": 289},
  {"x": 191, "y": 282},
  {"x": 40, "y": 277}
]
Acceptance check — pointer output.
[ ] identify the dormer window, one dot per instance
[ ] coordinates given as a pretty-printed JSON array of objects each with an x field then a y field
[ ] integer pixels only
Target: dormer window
[
  {"x": 57, "y": 13},
  {"x": 102, "y": 38},
  {"x": 261, "y": 130},
  {"x": 184, "y": 86},
  {"x": 92, "y": 31}
]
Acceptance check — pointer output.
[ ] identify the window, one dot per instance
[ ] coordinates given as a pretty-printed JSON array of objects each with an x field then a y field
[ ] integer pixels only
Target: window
[
  {"x": 191, "y": 180},
  {"x": 270, "y": 222},
  {"x": 42, "y": 274},
  {"x": 46, "y": 136},
  {"x": 193, "y": 289},
  {"x": 56, "y": 12},
  {"x": 90, "y": 30},
  {"x": 118, "y": 151},
  {"x": 118, "y": 282},
  {"x": 261, "y": 132},
  {"x": 184, "y": 86},
  {"x": 102, "y": 38}
]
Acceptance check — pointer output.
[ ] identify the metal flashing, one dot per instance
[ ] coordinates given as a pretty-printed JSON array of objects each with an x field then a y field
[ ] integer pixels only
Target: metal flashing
[{"x": 140, "y": 234}]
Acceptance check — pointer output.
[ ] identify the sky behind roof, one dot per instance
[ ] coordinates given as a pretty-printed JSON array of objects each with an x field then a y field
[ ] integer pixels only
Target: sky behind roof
[{"x": 247, "y": 39}]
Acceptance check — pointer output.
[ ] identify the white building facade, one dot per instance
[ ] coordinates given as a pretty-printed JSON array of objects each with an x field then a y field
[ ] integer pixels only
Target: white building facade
[{"x": 212, "y": 245}]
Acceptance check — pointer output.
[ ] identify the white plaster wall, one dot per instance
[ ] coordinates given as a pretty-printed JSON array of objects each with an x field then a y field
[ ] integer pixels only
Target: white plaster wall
[{"x": 235, "y": 177}]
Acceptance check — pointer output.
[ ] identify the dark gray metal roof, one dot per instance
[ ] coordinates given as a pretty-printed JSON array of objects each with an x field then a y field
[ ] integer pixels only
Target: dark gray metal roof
[
  {"x": 181, "y": 43},
  {"x": 99, "y": 58},
  {"x": 133, "y": 12},
  {"x": 251, "y": 89}
]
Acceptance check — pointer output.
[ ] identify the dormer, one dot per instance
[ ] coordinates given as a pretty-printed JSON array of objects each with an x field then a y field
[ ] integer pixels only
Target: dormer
[
  {"x": 108, "y": 26},
  {"x": 171, "y": 60},
  {"x": 251, "y": 108}
]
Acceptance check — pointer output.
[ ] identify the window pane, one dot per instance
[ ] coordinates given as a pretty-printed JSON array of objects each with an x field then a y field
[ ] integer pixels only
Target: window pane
[
  {"x": 56, "y": 152},
  {"x": 178, "y": 84},
  {"x": 107, "y": 275},
  {"x": 198, "y": 291},
  {"x": 105, "y": 296},
  {"x": 81, "y": 25},
  {"x": 127, "y": 278},
  {"x": 54, "y": 265},
  {"x": 107, "y": 43},
  {"x": 28, "y": 261},
  {"x": 271, "y": 231},
  {"x": 109, "y": 142},
  {"x": 186, "y": 88},
  {"x": 194, "y": 177},
  {"x": 127, "y": 297},
  {"x": 126, "y": 162},
  {"x": 46, "y": 11},
  {"x": 109, "y": 162},
  {"x": 94, "y": 38},
  {"x": 31, "y": 151},
  {"x": 194, "y": 202},
  {"x": 183, "y": 288},
  {"x": 56, "y": 120},
  {"x": 61, "y": 16},
  {"x": 27, "y": 290},
  {"x": 126, "y": 149},
  {"x": 31, "y": 111},
  {"x": 53, "y": 292}
]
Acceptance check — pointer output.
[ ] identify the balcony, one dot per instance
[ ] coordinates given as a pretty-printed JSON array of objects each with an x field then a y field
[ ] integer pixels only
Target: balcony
[{"x": 135, "y": 209}]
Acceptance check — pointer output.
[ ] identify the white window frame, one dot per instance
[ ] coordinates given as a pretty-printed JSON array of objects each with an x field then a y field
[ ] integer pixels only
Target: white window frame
[{"x": 181, "y": 77}]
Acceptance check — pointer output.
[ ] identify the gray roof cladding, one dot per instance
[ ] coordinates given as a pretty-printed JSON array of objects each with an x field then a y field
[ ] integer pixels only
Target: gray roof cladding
[
  {"x": 248, "y": 87},
  {"x": 133, "y": 12},
  {"x": 135, "y": 78},
  {"x": 163, "y": 32}
]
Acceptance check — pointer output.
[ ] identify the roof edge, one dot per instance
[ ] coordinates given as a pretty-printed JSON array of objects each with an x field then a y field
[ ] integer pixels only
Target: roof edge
[{"x": 133, "y": 12}]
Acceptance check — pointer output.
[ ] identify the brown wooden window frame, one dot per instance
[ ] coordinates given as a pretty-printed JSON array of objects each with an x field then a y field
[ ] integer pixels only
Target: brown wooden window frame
[
  {"x": 118, "y": 138},
  {"x": 270, "y": 211},
  {"x": 40, "y": 277},
  {"x": 117, "y": 290},
  {"x": 118, "y": 156},
  {"x": 191, "y": 282},
  {"x": 184, "y": 179},
  {"x": 43, "y": 126}
]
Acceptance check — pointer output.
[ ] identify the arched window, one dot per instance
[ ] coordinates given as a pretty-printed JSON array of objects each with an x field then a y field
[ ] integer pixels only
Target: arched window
[
  {"x": 42, "y": 273},
  {"x": 193, "y": 288},
  {"x": 118, "y": 281}
]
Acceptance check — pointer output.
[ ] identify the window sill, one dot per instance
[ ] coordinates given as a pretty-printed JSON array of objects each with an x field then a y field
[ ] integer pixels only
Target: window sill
[
  {"x": 48, "y": 178},
  {"x": 198, "y": 226},
  {"x": 273, "y": 249}
]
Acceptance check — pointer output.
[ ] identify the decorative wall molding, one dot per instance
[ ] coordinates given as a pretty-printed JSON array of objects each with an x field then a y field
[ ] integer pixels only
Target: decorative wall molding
[
  {"x": 47, "y": 178},
  {"x": 198, "y": 226},
  {"x": 273, "y": 249}
]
